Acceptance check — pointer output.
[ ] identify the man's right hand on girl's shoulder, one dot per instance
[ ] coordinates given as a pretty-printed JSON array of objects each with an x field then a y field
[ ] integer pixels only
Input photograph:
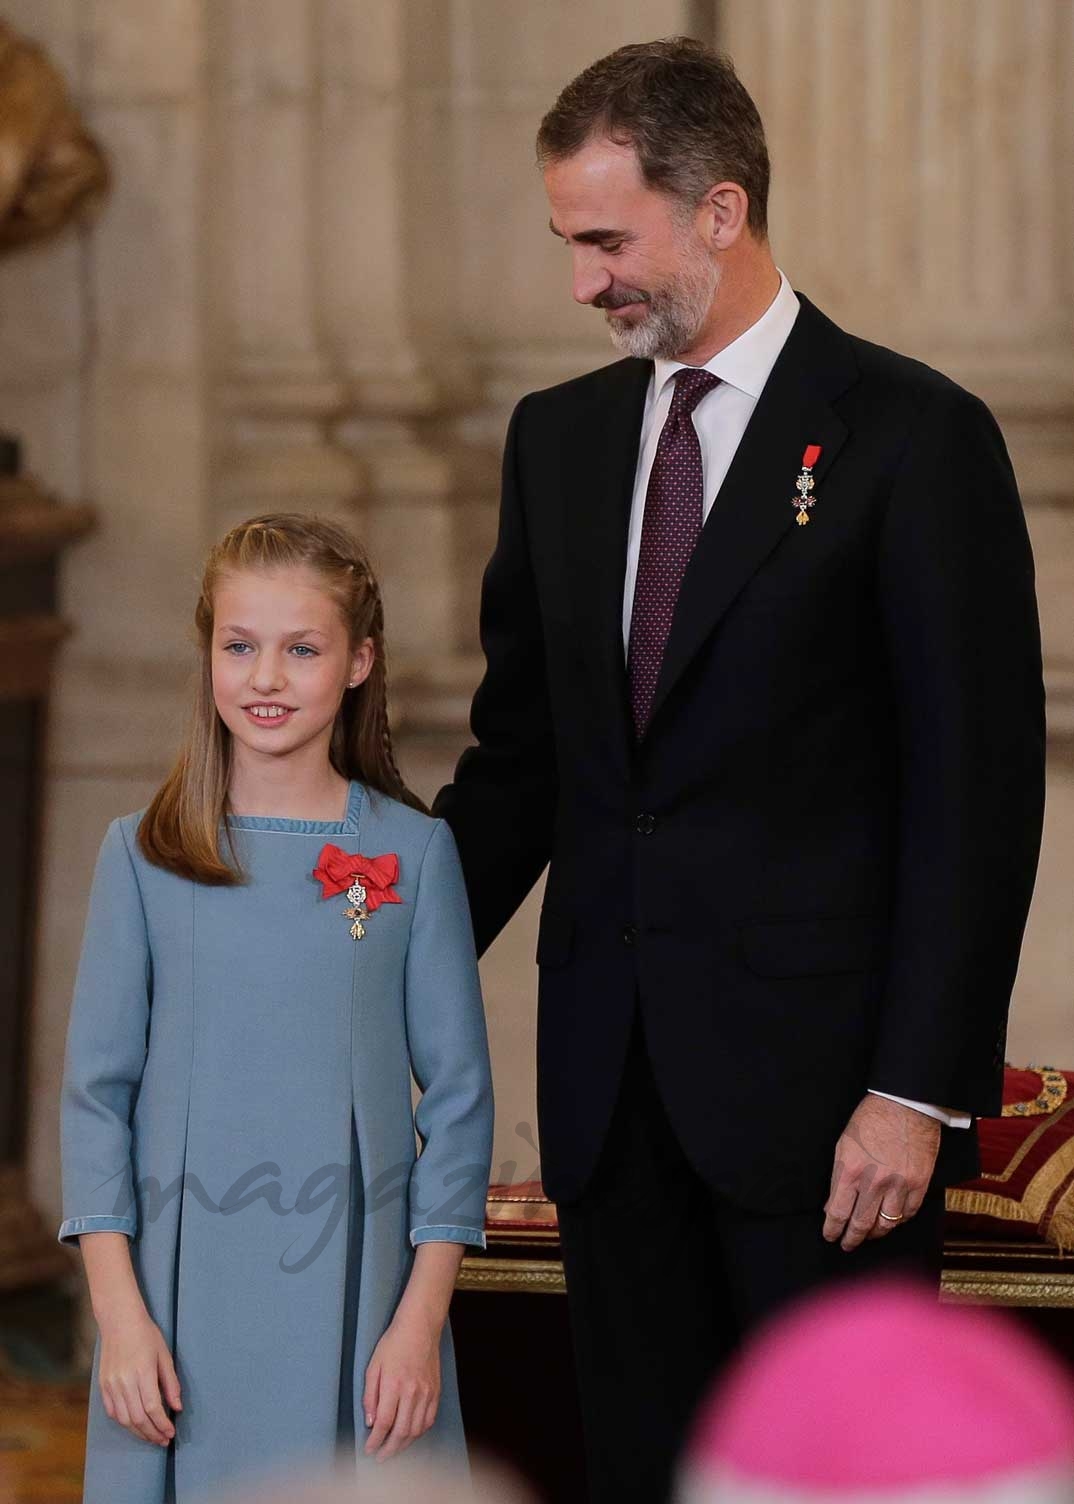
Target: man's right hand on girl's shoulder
[{"x": 138, "y": 1378}]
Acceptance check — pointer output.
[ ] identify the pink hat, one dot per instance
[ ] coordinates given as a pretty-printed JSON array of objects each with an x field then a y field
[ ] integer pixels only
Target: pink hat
[{"x": 874, "y": 1391}]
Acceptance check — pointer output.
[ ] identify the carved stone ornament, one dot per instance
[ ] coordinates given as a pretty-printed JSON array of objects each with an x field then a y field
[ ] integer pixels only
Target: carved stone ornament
[{"x": 51, "y": 169}]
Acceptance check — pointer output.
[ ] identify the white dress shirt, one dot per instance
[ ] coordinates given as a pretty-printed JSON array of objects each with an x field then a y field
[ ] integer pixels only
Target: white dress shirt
[{"x": 720, "y": 419}]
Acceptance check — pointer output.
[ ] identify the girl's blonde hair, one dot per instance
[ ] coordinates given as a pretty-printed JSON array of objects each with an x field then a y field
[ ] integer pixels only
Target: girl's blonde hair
[{"x": 183, "y": 826}]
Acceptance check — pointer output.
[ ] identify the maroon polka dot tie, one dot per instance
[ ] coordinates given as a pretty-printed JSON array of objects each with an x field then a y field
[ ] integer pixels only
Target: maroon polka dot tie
[{"x": 669, "y": 531}]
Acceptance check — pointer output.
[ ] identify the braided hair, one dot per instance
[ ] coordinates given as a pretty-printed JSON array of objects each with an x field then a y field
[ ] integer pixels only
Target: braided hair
[{"x": 362, "y": 738}]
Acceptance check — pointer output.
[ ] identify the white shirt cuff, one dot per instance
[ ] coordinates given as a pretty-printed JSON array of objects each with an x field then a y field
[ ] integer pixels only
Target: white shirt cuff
[{"x": 952, "y": 1119}]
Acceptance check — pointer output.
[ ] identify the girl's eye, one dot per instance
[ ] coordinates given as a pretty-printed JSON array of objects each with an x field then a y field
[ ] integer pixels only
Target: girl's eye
[
  {"x": 304, "y": 651},
  {"x": 238, "y": 649}
]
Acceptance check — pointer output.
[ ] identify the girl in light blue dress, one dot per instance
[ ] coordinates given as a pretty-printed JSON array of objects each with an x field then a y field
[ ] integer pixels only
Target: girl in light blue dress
[{"x": 275, "y": 949}]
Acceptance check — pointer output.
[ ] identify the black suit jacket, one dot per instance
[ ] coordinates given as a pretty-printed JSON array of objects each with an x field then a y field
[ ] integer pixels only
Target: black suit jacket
[{"x": 815, "y": 869}]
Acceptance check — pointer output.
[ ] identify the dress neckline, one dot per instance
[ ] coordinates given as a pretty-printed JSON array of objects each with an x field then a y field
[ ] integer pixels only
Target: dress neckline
[{"x": 347, "y": 826}]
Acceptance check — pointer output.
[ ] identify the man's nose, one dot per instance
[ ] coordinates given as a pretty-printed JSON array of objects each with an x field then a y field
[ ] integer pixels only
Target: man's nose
[{"x": 591, "y": 278}]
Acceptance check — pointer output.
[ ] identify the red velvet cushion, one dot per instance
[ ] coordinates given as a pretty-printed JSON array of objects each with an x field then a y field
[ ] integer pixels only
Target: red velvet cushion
[
  {"x": 1026, "y": 1186},
  {"x": 520, "y": 1207}
]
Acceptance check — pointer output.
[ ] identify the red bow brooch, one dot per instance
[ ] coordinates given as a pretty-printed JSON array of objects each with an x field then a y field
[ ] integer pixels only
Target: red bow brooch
[{"x": 367, "y": 881}]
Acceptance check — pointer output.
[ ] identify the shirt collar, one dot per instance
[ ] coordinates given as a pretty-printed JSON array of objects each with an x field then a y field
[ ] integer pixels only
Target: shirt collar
[{"x": 748, "y": 360}]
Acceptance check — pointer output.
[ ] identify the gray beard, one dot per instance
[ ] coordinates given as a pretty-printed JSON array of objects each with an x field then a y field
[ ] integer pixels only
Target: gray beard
[{"x": 674, "y": 316}]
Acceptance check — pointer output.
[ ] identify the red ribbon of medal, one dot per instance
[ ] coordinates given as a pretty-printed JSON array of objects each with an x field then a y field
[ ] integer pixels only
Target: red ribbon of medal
[
  {"x": 805, "y": 501},
  {"x": 367, "y": 881}
]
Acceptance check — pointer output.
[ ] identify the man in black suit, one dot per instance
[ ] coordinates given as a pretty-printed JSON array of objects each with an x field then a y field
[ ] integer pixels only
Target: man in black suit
[{"x": 764, "y": 688}]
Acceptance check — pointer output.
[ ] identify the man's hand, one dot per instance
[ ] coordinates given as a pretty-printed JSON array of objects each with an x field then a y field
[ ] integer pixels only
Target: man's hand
[{"x": 883, "y": 1163}]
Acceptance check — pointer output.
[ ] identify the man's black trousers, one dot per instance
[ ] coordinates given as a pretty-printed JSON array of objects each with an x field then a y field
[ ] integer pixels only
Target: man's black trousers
[{"x": 664, "y": 1277}]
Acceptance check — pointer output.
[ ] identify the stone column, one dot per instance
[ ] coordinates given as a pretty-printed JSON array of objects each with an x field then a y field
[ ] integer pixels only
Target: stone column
[
  {"x": 275, "y": 388},
  {"x": 387, "y": 246},
  {"x": 919, "y": 153}
]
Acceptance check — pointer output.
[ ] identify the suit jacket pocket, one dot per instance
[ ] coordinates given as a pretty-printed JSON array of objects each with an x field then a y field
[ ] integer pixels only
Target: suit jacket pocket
[
  {"x": 809, "y": 947},
  {"x": 555, "y": 938}
]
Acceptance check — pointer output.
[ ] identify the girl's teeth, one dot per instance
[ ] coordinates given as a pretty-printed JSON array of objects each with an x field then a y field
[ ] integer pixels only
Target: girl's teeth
[{"x": 267, "y": 713}]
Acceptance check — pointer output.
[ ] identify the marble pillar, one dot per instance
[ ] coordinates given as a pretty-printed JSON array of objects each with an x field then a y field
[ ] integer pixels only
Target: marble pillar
[
  {"x": 275, "y": 393},
  {"x": 387, "y": 245}
]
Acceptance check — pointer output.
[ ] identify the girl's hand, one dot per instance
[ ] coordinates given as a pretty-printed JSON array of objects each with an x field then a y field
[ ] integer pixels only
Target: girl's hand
[
  {"x": 402, "y": 1384},
  {"x": 135, "y": 1369}
]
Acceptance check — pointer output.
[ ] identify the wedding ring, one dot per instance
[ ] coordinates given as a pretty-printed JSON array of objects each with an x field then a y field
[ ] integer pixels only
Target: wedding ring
[{"x": 889, "y": 1219}]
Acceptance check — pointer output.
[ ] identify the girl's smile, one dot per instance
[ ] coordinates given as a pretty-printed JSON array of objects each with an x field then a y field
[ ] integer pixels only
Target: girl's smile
[{"x": 269, "y": 715}]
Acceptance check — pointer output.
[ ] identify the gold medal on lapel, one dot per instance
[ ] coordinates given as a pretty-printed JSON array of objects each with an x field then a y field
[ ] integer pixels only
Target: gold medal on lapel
[{"x": 805, "y": 501}]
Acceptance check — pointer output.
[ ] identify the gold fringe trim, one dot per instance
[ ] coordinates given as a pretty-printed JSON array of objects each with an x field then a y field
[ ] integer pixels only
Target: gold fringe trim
[
  {"x": 986, "y": 1204},
  {"x": 1061, "y": 1225},
  {"x": 1034, "y": 1203}
]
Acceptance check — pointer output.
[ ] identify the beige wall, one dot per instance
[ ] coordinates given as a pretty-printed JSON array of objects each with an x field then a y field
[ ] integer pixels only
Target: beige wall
[{"x": 324, "y": 278}]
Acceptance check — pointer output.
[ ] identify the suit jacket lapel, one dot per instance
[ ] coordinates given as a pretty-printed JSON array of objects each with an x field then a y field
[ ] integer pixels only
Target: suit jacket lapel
[
  {"x": 603, "y": 461},
  {"x": 753, "y": 509}
]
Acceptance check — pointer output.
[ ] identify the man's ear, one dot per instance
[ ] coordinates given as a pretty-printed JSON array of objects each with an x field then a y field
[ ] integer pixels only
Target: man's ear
[{"x": 729, "y": 207}]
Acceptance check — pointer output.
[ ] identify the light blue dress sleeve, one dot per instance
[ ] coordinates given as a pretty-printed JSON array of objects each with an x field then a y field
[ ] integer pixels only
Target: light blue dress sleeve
[
  {"x": 445, "y": 1021},
  {"x": 106, "y": 1051}
]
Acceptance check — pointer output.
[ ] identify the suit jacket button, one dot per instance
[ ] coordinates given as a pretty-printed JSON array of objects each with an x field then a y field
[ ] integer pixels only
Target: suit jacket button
[
  {"x": 630, "y": 934},
  {"x": 645, "y": 825}
]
